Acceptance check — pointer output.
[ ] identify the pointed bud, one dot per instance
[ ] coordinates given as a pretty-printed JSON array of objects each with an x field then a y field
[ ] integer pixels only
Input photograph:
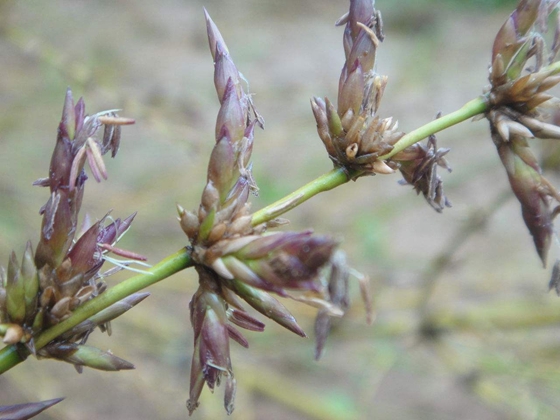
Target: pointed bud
[
  {"x": 82, "y": 355},
  {"x": 108, "y": 314},
  {"x": 322, "y": 125},
  {"x": 61, "y": 163},
  {"x": 225, "y": 71},
  {"x": 211, "y": 358},
  {"x": 268, "y": 306},
  {"x": 15, "y": 292},
  {"x": 232, "y": 114},
  {"x": 352, "y": 91},
  {"x": 57, "y": 231},
  {"x": 236, "y": 336},
  {"x": 529, "y": 187},
  {"x": 206, "y": 225},
  {"x": 214, "y": 35},
  {"x": 220, "y": 168},
  {"x": 68, "y": 121},
  {"x": 335, "y": 125},
  {"x": 244, "y": 320},
  {"x": 30, "y": 281},
  {"x": 26, "y": 411},
  {"x": 84, "y": 254},
  {"x": 188, "y": 221},
  {"x": 229, "y": 395}
]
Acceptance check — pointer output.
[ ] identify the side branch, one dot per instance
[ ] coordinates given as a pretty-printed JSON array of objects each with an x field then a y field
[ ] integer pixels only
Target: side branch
[
  {"x": 339, "y": 176},
  {"x": 326, "y": 182},
  {"x": 469, "y": 110}
]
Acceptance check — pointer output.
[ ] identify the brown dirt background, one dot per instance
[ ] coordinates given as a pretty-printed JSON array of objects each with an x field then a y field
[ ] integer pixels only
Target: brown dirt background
[{"x": 496, "y": 358}]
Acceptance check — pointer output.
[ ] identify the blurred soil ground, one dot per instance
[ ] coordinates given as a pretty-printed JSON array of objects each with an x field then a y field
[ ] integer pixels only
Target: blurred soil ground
[{"x": 465, "y": 333}]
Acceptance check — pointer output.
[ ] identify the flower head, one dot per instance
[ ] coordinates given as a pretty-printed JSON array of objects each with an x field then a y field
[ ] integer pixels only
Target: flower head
[
  {"x": 352, "y": 132},
  {"x": 239, "y": 263},
  {"x": 418, "y": 165},
  {"x": 64, "y": 272},
  {"x": 518, "y": 102}
]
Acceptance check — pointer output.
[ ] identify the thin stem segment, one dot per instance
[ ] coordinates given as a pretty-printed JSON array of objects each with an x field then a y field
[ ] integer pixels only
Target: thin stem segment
[
  {"x": 10, "y": 356},
  {"x": 339, "y": 176},
  {"x": 469, "y": 110},
  {"x": 326, "y": 182}
]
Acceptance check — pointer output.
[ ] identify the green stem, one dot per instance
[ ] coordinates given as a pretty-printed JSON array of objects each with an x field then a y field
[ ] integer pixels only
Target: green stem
[
  {"x": 326, "y": 182},
  {"x": 10, "y": 356},
  {"x": 469, "y": 110},
  {"x": 339, "y": 176}
]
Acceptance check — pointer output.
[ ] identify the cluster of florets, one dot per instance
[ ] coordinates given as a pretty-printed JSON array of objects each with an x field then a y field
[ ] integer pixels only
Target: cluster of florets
[
  {"x": 518, "y": 102},
  {"x": 239, "y": 262},
  {"x": 64, "y": 272}
]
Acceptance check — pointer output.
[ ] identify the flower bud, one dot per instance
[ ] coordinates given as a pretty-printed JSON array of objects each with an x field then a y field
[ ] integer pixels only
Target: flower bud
[
  {"x": 267, "y": 305},
  {"x": 15, "y": 292},
  {"x": 232, "y": 114},
  {"x": 225, "y": 71},
  {"x": 27, "y": 410},
  {"x": 82, "y": 355},
  {"x": 30, "y": 281}
]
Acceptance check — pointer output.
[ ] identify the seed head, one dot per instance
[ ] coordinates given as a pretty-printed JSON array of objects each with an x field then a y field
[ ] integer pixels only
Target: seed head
[
  {"x": 64, "y": 272},
  {"x": 352, "y": 133},
  {"x": 237, "y": 262},
  {"x": 517, "y": 111}
]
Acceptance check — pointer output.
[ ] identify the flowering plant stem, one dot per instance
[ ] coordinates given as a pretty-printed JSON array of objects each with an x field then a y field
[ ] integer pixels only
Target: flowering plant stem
[
  {"x": 339, "y": 176},
  {"x": 12, "y": 355},
  {"x": 469, "y": 110}
]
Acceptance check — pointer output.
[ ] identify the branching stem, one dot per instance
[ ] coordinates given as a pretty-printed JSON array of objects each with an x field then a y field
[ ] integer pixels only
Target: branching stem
[
  {"x": 339, "y": 176},
  {"x": 12, "y": 355},
  {"x": 326, "y": 182},
  {"x": 469, "y": 110}
]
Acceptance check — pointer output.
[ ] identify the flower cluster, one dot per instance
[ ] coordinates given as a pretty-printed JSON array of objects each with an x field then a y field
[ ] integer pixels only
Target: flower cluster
[
  {"x": 238, "y": 262},
  {"x": 518, "y": 100},
  {"x": 352, "y": 133},
  {"x": 63, "y": 273},
  {"x": 418, "y": 165}
]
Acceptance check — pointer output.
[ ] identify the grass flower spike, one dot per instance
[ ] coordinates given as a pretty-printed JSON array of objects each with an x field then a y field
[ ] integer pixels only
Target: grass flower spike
[
  {"x": 352, "y": 133},
  {"x": 237, "y": 262},
  {"x": 518, "y": 102},
  {"x": 64, "y": 272}
]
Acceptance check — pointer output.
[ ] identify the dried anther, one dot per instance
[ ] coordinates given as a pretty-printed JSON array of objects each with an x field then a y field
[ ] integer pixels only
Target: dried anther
[
  {"x": 555, "y": 278},
  {"x": 418, "y": 165},
  {"x": 352, "y": 133},
  {"x": 517, "y": 99}
]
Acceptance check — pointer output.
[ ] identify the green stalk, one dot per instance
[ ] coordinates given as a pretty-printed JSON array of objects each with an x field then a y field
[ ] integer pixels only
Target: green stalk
[
  {"x": 10, "y": 356},
  {"x": 469, "y": 110},
  {"x": 326, "y": 182},
  {"x": 339, "y": 176}
]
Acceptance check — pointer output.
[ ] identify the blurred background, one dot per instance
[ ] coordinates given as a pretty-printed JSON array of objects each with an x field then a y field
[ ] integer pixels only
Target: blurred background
[{"x": 464, "y": 325}]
